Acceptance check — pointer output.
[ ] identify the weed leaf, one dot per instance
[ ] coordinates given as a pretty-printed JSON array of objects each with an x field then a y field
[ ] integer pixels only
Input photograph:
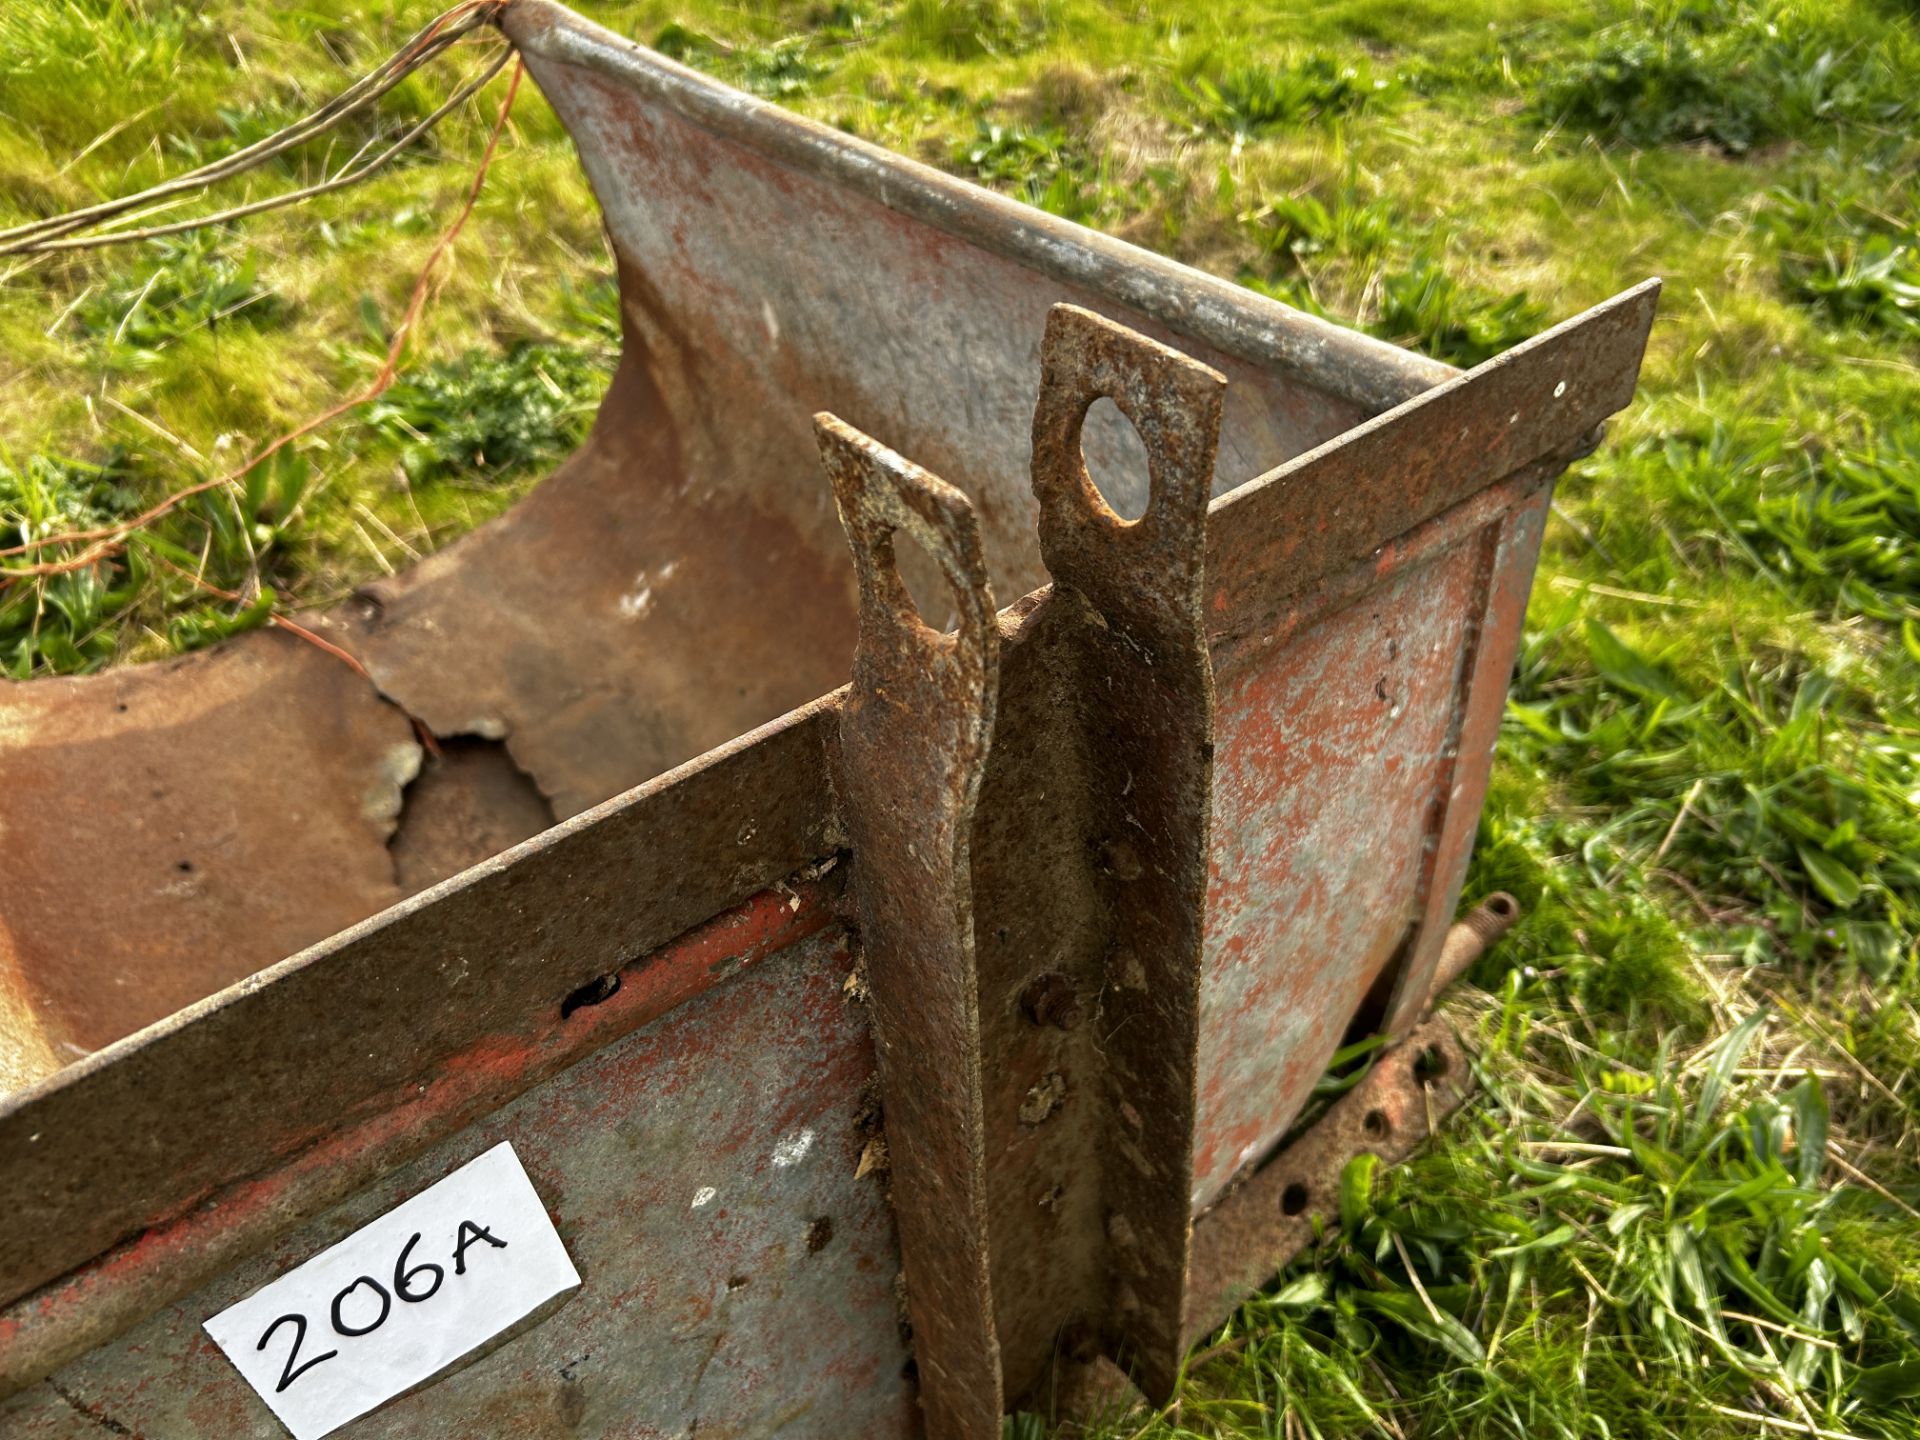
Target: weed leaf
[
  {"x": 1626, "y": 667},
  {"x": 1832, "y": 879}
]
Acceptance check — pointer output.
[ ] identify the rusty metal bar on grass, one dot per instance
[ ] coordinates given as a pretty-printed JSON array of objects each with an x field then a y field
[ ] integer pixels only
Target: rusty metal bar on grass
[{"x": 1257, "y": 1227}]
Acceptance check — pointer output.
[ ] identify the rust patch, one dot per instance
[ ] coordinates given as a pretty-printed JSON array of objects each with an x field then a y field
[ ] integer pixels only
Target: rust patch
[
  {"x": 1046, "y": 1096},
  {"x": 1082, "y": 723},
  {"x": 171, "y": 828},
  {"x": 1275, "y": 1212}
]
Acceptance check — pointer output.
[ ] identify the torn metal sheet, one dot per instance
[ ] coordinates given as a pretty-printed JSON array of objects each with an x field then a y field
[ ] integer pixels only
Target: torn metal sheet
[
  {"x": 626, "y": 616},
  {"x": 169, "y": 829}
]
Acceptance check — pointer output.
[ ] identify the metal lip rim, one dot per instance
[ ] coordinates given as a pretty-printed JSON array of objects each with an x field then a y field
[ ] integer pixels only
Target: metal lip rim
[{"x": 1373, "y": 374}]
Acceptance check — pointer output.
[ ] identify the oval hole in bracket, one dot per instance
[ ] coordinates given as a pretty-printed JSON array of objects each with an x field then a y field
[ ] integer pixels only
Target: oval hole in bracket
[
  {"x": 1116, "y": 460},
  {"x": 926, "y": 584}
]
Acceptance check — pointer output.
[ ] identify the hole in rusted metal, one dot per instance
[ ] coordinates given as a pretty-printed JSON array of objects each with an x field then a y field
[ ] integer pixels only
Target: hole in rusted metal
[
  {"x": 185, "y": 867},
  {"x": 600, "y": 988},
  {"x": 737, "y": 1282},
  {"x": 1377, "y": 1124},
  {"x": 1430, "y": 1064},
  {"x": 1293, "y": 1199},
  {"x": 470, "y": 801},
  {"x": 819, "y": 1234},
  {"x": 1116, "y": 460},
  {"x": 925, "y": 584}
]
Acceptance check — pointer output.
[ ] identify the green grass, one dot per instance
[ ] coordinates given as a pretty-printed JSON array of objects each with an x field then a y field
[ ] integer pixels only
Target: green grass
[{"x": 1684, "y": 1201}]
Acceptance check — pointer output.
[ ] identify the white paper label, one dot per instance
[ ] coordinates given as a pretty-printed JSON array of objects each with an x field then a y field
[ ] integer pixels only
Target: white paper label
[{"x": 400, "y": 1299}]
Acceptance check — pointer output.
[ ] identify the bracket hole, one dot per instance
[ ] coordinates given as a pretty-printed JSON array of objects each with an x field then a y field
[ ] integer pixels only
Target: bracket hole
[
  {"x": 1377, "y": 1124},
  {"x": 1430, "y": 1064},
  {"x": 925, "y": 583},
  {"x": 1293, "y": 1199},
  {"x": 1116, "y": 460}
]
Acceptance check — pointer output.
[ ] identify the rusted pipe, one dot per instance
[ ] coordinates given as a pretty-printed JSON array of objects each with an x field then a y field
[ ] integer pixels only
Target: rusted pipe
[{"x": 1470, "y": 938}]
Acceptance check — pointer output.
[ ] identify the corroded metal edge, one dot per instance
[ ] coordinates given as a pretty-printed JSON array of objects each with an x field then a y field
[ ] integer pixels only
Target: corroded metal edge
[
  {"x": 1355, "y": 367},
  {"x": 1339, "y": 503},
  {"x": 913, "y": 739},
  {"x": 1278, "y": 1211}
]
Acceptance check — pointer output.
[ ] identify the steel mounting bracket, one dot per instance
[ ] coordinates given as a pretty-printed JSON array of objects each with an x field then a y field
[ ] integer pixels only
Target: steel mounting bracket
[{"x": 1029, "y": 795}]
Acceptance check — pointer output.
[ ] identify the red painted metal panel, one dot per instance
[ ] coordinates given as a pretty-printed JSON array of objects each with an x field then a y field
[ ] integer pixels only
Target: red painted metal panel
[
  {"x": 1468, "y": 758},
  {"x": 1328, "y": 760},
  {"x": 739, "y": 1278}
]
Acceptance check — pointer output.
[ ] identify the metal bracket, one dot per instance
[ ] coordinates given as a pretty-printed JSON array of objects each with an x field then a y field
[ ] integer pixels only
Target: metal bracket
[
  {"x": 1030, "y": 803},
  {"x": 1107, "y": 710},
  {"x": 912, "y": 749}
]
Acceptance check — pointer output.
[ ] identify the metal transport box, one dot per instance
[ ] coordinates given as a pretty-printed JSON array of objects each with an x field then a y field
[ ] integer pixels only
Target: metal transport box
[{"x": 897, "y": 909}]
